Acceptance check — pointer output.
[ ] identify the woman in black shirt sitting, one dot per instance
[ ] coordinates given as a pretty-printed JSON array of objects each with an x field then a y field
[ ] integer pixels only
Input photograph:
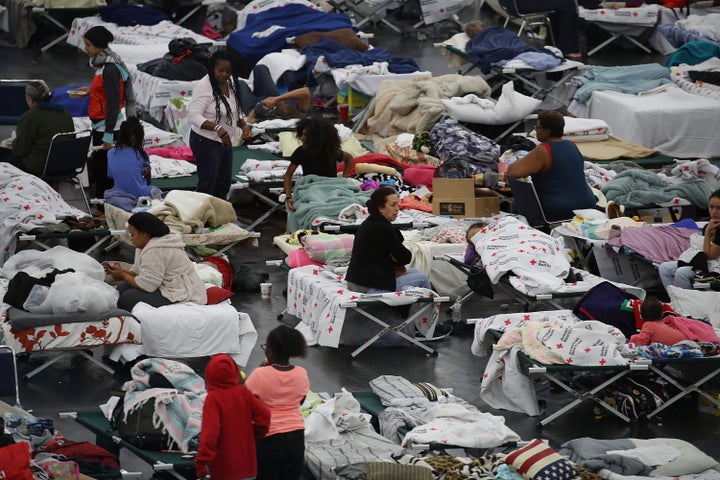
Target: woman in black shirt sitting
[
  {"x": 378, "y": 256},
  {"x": 318, "y": 154}
]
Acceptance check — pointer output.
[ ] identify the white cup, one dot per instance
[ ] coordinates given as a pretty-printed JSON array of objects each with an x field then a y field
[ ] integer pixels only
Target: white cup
[{"x": 266, "y": 291}]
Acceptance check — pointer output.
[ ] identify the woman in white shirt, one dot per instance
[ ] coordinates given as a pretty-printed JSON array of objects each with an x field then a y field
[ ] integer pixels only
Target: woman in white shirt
[{"x": 215, "y": 116}]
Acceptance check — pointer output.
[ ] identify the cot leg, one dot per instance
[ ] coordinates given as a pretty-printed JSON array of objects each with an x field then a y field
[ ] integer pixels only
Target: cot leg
[
  {"x": 45, "y": 365},
  {"x": 582, "y": 396},
  {"x": 684, "y": 390},
  {"x": 397, "y": 330},
  {"x": 168, "y": 468},
  {"x": 603, "y": 44},
  {"x": 638, "y": 44}
]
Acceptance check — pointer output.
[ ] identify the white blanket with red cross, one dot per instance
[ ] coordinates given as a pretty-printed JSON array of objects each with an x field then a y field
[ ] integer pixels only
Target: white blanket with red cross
[
  {"x": 555, "y": 337},
  {"x": 506, "y": 244},
  {"x": 314, "y": 295}
]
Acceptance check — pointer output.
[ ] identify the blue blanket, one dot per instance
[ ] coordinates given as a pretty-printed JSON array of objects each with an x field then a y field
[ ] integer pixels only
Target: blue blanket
[
  {"x": 261, "y": 34},
  {"x": 338, "y": 55},
  {"x": 629, "y": 79},
  {"x": 494, "y": 44}
]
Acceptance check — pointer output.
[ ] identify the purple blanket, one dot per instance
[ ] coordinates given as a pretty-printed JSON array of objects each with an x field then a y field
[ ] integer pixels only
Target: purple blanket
[{"x": 658, "y": 244}]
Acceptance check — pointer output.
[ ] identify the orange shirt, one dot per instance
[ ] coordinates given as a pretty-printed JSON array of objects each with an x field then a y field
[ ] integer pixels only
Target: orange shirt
[
  {"x": 281, "y": 391},
  {"x": 658, "y": 331}
]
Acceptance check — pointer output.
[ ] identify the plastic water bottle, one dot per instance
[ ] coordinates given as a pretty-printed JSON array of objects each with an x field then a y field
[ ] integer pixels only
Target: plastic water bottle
[{"x": 456, "y": 312}]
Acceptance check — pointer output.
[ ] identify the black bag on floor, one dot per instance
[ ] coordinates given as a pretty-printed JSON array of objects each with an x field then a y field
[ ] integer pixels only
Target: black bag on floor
[
  {"x": 137, "y": 429},
  {"x": 602, "y": 303}
]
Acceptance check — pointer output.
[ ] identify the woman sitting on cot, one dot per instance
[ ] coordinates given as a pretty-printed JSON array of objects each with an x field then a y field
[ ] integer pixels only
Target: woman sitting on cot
[
  {"x": 557, "y": 170},
  {"x": 318, "y": 154},
  {"x": 378, "y": 259},
  {"x": 128, "y": 163},
  {"x": 162, "y": 273}
]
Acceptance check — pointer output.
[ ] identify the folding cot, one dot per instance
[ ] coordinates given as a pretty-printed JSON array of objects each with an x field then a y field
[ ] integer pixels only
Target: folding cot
[
  {"x": 644, "y": 119},
  {"x": 320, "y": 299},
  {"x": 74, "y": 334},
  {"x": 51, "y": 13},
  {"x": 625, "y": 23},
  {"x": 225, "y": 236},
  {"x": 506, "y": 382},
  {"x": 257, "y": 189},
  {"x": 176, "y": 465}
]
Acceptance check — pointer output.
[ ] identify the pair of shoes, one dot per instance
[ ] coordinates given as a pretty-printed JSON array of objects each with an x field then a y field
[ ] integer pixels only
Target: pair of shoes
[
  {"x": 442, "y": 330},
  {"x": 704, "y": 277}
]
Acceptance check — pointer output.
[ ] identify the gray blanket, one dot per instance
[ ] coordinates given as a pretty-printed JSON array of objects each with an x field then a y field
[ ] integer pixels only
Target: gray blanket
[
  {"x": 21, "y": 319},
  {"x": 592, "y": 454},
  {"x": 642, "y": 188}
]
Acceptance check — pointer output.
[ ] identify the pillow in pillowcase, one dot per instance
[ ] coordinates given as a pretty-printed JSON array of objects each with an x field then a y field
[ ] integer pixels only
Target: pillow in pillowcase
[{"x": 537, "y": 461}]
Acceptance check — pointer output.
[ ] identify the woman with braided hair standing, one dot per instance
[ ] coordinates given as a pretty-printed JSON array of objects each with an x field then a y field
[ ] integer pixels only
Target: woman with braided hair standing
[{"x": 215, "y": 116}]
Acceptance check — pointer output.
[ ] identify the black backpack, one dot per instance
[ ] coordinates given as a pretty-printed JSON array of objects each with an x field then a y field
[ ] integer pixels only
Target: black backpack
[
  {"x": 137, "y": 429},
  {"x": 602, "y": 303},
  {"x": 455, "y": 168}
]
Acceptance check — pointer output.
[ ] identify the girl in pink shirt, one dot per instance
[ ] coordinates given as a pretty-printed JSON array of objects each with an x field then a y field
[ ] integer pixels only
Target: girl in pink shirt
[
  {"x": 282, "y": 387},
  {"x": 655, "y": 330}
]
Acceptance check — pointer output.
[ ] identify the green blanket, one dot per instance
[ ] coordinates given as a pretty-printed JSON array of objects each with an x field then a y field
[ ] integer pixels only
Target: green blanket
[
  {"x": 638, "y": 188},
  {"x": 316, "y": 196}
]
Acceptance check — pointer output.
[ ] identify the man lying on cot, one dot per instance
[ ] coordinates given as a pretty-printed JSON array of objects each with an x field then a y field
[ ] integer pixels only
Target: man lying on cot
[
  {"x": 264, "y": 102},
  {"x": 696, "y": 263}
]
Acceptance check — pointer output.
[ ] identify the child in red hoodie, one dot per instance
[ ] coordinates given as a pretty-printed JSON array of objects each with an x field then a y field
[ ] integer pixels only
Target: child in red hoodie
[{"x": 233, "y": 419}]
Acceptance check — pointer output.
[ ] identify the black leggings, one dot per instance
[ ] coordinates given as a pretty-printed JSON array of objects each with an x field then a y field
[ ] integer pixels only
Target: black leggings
[
  {"x": 130, "y": 296},
  {"x": 281, "y": 456}
]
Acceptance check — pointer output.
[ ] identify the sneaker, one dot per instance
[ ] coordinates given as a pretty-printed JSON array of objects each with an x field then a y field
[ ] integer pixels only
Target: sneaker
[{"x": 442, "y": 330}]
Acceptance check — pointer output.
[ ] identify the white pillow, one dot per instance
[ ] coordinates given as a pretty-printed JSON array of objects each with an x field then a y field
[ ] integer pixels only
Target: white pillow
[
  {"x": 510, "y": 107},
  {"x": 154, "y": 137}
]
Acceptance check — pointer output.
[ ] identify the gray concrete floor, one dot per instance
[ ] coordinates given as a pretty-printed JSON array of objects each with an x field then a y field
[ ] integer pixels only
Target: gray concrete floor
[{"x": 76, "y": 385}]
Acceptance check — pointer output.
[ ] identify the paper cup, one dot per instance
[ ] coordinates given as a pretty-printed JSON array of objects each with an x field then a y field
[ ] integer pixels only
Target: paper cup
[{"x": 266, "y": 291}]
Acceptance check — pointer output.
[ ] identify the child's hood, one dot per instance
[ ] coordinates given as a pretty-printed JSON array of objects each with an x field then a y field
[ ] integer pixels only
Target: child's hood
[{"x": 222, "y": 372}]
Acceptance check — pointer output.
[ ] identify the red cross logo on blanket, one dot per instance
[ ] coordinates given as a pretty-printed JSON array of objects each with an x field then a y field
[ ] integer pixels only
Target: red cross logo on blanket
[
  {"x": 485, "y": 375},
  {"x": 330, "y": 329},
  {"x": 602, "y": 12},
  {"x": 559, "y": 346},
  {"x": 183, "y": 93},
  {"x": 425, "y": 320},
  {"x": 526, "y": 318},
  {"x": 399, "y": 294},
  {"x": 507, "y": 321},
  {"x": 521, "y": 251},
  {"x": 635, "y": 14},
  {"x": 533, "y": 262},
  {"x": 156, "y": 140},
  {"x": 686, "y": 168},
  {"x": 6, "y": 199},
  {"x": 521, "y": 227},
  {"x": 341, "y": 291},
  {"x": 316, "y": 272},
  {"x": 569, "y": 360},
  {"x": 40, "y": 217},
  {"x": 676, "y": 201},
  {"x": 587, "y": 349},
  {"x": 21, "y": 188},
  {"x": 484, "y": 230},
  {"x": 353, "y": 297},
  {"x": 602, "y": 362},
  {"x": 26, "y": 207}
]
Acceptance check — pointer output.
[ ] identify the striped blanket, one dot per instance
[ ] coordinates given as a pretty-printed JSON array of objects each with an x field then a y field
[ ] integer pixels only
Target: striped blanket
[{"x": 177, "y": 410}]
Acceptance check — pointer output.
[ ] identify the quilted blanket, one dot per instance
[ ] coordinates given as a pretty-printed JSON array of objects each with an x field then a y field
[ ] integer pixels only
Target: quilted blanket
[{"x": 403, "y": 106}]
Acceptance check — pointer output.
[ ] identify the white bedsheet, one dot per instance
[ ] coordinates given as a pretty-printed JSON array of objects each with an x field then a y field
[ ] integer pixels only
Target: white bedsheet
[
  {"x": 188, "y": 330},
  {"x": 646, "y": 15},
  {"x": 676, "y": 122},
  {"x": 149, "y": 35}
]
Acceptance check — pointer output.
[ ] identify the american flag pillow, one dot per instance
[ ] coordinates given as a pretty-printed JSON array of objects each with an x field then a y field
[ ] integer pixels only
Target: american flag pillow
[{"x": 537, "y": 461}]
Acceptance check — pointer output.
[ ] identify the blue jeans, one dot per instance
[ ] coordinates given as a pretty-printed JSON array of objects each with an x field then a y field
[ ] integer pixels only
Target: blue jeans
[
  {"x": 412, "y": 278},
  {"x": 263, "y": 87},
  {"x": 671, "y": 274},
  {"x": 214, "y": 165}
]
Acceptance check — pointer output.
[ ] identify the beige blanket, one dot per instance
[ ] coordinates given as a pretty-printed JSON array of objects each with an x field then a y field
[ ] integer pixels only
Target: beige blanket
[
  {"x": 612, "y": 149},
  {"x": 412, "y": 106},
  {"x": 185, "y": 212}
]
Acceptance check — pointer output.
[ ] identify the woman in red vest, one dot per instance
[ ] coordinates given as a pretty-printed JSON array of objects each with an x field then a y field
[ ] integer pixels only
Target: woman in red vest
[{"x": 110, "y": 91}]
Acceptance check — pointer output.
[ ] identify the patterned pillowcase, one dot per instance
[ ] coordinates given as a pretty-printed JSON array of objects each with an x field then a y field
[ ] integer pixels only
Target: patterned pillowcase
[
  {"x": 322, "y": 248},
  {"x": 413, "y": 157},
  {"x": 537, "y": 461}
]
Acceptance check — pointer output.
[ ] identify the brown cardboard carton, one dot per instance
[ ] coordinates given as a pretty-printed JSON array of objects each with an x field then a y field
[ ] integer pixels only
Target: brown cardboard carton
[{"x": 457, "y": 197}]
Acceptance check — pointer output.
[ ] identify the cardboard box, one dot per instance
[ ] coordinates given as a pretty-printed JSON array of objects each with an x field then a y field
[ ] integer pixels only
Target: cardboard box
[
  {"x": 457, "y": 198},
  {"x": 619, "y": 267}
]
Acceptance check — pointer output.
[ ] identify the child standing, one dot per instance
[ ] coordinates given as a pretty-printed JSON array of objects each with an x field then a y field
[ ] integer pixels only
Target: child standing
[
  {"x": 128, "y": 163},
  {"x": 233, "y": 419},
  {"x": 282, "y": 387}
]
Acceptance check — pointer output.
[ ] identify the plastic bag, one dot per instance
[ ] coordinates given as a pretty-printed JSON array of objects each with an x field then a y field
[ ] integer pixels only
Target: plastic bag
[
  {"x": 76, "y": 293},
  {"x": 38, "y": 263}
]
